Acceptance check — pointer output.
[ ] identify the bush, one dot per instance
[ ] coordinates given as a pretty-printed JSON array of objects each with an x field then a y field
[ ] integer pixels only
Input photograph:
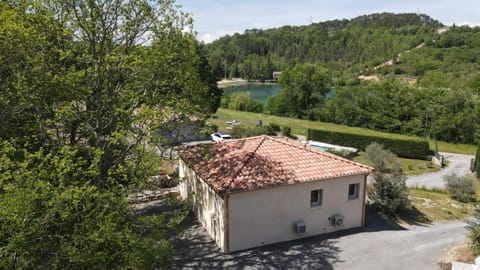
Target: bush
[
  {"x": 474, "y": 232},
  {"x": 287, "y": 131},
  {"x": 242, "y": 132},
  {"x": 243, "y": 101},
  {"x": 460, "y": 187},
  {"x": 224, "y": 101},
  {"x": 343, "y": 153},
  {"x": 387, "y": 191},
  {"x": 275, "y": 127},
  {"x": 416, "y": 149}
]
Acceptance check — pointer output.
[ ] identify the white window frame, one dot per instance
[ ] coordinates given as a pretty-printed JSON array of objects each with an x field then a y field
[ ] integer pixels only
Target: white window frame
[
  {"x": 319, "y": 198},
  {"x": 356, "y": 192}
]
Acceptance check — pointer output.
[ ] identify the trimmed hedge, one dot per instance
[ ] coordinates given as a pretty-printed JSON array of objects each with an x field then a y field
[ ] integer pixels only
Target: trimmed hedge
[{"x": 416, "y": 149}]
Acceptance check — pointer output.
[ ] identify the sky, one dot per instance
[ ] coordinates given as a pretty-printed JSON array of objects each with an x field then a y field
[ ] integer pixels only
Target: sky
[{"x": 216, "y": 18}]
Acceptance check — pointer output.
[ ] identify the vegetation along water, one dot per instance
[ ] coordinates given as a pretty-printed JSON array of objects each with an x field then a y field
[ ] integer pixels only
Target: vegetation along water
[{"x": 257, "y": 91}]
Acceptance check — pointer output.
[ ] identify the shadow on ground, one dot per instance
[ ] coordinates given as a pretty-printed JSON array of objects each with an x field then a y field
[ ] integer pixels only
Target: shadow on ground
[
  {"x": 196, "y": 250},
  {"x": 413, "y": 216}
]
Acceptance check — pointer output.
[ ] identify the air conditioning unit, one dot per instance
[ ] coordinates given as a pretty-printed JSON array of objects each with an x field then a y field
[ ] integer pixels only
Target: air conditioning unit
[
  {"x": 300, "y": 227},
  {"x": 336, "y": 220}
]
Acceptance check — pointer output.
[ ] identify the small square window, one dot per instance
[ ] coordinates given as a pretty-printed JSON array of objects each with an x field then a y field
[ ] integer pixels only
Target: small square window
[
  {"x": 353, "y": 191},
  {"x": 316, "y": 197}
]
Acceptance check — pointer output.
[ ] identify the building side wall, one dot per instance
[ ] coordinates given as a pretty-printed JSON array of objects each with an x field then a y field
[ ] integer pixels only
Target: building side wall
[
  {"x": 267, "y": 216},
  {"x": 207, "y": 205}
]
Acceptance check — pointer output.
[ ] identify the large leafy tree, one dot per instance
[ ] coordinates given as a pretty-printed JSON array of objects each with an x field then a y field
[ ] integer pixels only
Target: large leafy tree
[
  {"x": 84, "y": 85},
  {"x": 302, "y": 89}
]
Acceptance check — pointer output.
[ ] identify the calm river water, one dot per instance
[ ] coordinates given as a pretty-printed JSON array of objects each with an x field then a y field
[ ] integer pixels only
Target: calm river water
[{"x": 258, "y": 91}]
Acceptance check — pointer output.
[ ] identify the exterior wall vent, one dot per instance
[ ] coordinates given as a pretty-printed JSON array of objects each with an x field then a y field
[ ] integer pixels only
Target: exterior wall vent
[
  {"x": 336, "y": 220},
  {"x": 300, "y": 227}
]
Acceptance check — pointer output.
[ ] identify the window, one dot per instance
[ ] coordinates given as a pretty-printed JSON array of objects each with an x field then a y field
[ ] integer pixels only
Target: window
[
  {"x": 353, "y": 191},
  {"x": 316, "y": 197}
]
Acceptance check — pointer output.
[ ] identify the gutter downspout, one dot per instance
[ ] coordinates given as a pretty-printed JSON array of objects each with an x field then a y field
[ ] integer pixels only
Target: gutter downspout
[{"x": 227, "y": 225}]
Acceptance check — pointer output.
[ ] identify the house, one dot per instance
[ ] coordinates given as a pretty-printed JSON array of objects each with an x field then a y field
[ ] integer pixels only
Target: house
[
  {"x": 276, "y": 75},
  {"x": 263, "y": 190}
]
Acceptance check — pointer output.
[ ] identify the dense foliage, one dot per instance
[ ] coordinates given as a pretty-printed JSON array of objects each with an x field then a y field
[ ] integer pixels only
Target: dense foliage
[
  {"x": 241, "y": 101},
  {"x": 358, "y": 43},
  {"x": 388, "y": 191},
  {"x": 303, "y": 89},
  {"x": 447, "y": 114},
  {"x": 416, "y": 149},
  {"x": 424, "y": 77},
  {"x": 84, "y": 84}
]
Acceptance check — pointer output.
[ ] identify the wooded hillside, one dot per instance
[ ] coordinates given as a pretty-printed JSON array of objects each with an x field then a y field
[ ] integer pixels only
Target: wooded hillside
[{"x": 353, "y": 44}]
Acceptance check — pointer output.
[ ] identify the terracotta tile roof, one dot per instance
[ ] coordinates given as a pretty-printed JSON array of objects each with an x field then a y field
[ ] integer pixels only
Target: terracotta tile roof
[{"x": 264, "y": 161}]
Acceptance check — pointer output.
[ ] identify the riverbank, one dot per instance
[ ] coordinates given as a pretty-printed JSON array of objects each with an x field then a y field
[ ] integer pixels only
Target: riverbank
[
  {"x": 230, "y": 83},
  {"x": 235, "y": 82}
]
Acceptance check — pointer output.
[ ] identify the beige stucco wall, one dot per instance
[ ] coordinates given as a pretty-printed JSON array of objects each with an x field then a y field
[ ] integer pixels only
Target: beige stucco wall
[
  {"x": 267, "y": 216},
  {"x": 208, "y": 205}
]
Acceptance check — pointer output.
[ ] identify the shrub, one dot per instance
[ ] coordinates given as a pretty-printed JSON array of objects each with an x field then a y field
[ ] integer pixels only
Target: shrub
[
  {"x": 387, "y": 191},
  {"x": 343, "y": 153},
  {"x": 224, "y": 101},
  {"x": 408, "y": 148},
  {"x": 474, "y": 232},
  {"x": 460, "y": 187},
  {"x": 275, "y": 127},
  {"x": 243, "y": 101},
  {"x": 477, "y": 162},
  {"x": 242, "y": 132},
  {"x": 211, "y": 128},
  {"x": 287, "y": 131}
]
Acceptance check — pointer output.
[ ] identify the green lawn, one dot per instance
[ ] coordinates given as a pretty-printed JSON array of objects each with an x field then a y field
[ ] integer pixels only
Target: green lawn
[
  {"x": 410, "y": 166},
  {"x": 300, "y": 127}
]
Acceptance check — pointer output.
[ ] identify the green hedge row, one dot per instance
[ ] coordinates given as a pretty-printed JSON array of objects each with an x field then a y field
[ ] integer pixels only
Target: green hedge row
[{"x": 417, "y": 149}]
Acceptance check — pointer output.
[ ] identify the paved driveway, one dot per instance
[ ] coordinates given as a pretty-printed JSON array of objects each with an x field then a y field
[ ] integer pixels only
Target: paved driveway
[
  {"x": 458, "y": 164},
  {"x": 377, "y": 246}
]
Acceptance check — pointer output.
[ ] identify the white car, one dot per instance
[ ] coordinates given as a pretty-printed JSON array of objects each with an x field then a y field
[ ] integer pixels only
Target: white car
[{"x": 218, "y": 137}]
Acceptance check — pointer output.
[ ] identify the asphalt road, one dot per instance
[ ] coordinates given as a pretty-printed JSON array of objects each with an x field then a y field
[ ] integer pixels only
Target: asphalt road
[
  {"x": 458, "y": 164},
  {"x": 378, "y": 246},
  {"x": 417, "y": 248}
]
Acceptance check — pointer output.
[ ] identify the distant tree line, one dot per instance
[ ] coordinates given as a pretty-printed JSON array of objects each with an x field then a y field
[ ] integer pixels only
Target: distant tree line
[
  {"x": 308, "y": 92},
  {"x": 321, "y": 64},
  {"x": 354, "y": 44}
]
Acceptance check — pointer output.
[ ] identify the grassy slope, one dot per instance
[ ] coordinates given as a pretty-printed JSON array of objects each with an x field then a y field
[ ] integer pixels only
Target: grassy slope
[
  {"x": 300, "y": 127},
  {"x": 410, "y": 166},
  {"x": 437, "y": 206}
]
